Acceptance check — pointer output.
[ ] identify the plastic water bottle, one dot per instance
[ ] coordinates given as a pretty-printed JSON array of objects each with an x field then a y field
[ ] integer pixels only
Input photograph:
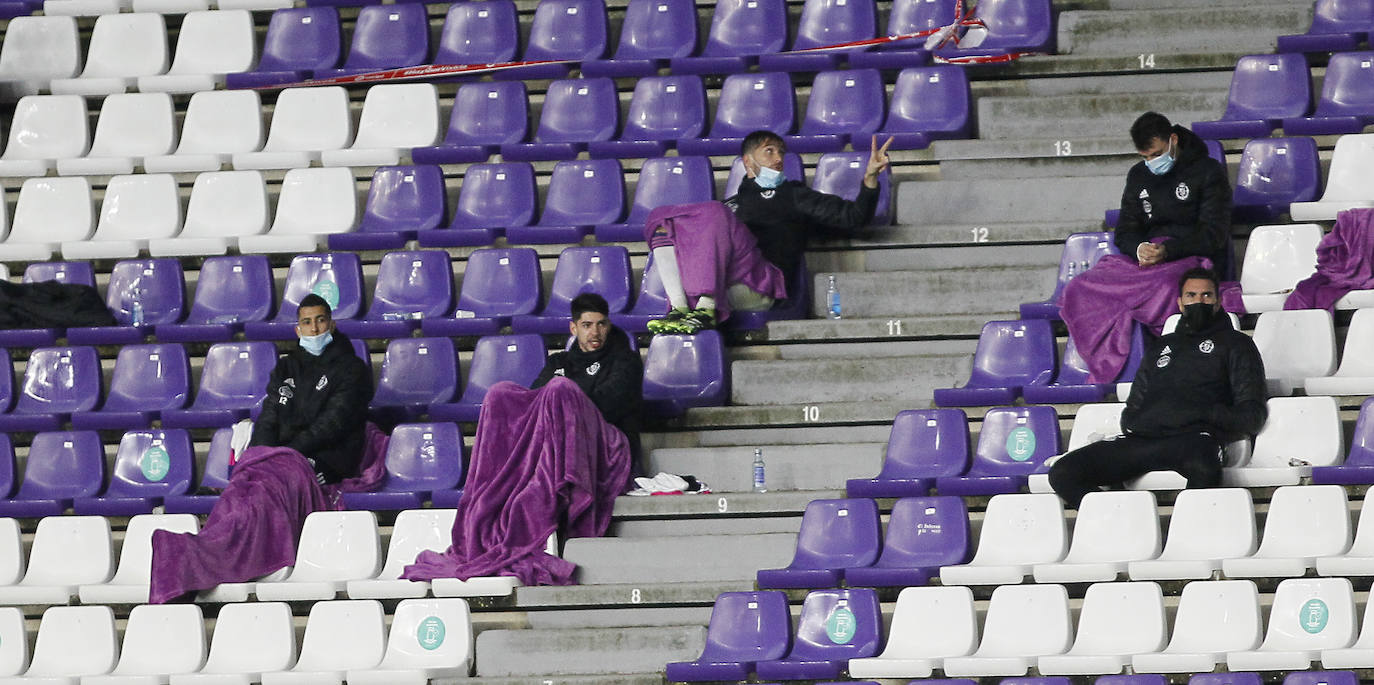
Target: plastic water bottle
[
  {"x": 832, "y": 298},
  {"x": 760, "y": 480},
  {"x": 136, "y": 308}
]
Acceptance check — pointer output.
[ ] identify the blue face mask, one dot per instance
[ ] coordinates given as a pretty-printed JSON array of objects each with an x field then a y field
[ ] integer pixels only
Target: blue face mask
[
  {"x": 1162, "y": 164},
  {"x": 767, "y": 177},
  {"x": 315, "y": 344}
]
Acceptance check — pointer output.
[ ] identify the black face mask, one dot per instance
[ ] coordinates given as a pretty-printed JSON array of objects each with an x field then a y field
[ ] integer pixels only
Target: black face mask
[{"x": 1198, "y": 315}]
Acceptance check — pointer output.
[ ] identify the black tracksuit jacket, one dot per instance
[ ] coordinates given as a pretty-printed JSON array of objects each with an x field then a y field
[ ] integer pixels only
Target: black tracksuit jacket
[
  {"x": 1190, "y": 205},
  {"x": 783, "y": 218}
]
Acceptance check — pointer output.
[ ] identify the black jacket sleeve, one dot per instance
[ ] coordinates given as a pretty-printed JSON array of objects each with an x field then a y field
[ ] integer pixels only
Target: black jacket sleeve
[
  {"x": 343, "y": 411},
  {"x": 266, "y": 427},
  {"x": 1248, "y": 410},
  {"x": 1140, "y": 386},
  {"x": 1213, "y": 219},
  {"x": 546, "y": 373},
  {"x": 620, "y": 394},
  {"x": 1130, "y": 225},
  {"x": 832, "y": 212}
]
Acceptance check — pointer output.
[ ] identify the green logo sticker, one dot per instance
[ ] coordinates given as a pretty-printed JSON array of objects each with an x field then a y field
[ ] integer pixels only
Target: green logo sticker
[
  {"x": 329, "y": 290},
  {"x": 154, "y": 464},
  {"x": 1021, "y": 444},
  {"x": 1313, "y": 616},
  {"x": 839, "y": 626},
  {"x": 430, "y": 633}
]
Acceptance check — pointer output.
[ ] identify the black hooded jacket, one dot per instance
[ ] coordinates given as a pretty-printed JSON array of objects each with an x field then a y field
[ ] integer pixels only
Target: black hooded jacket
[
  {"x": 613, "y": 377},
  {"x": 783, "y": 218},
  {"x": 1190, "y": 205},
  {"x": 318, "y": 407},
  {"x": 1208, "y": 381}
]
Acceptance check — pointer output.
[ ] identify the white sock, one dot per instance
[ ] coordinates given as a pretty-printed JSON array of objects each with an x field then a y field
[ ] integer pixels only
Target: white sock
[
  {"x": 706, "y": 302},
  {"x": 665, "y": 260}
]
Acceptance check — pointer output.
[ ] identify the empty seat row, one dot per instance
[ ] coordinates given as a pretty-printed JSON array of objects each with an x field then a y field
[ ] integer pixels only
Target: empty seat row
[
  {"x": 1273, "y": 91},
  {"x": 251, "y": 643},
  {"x": 1336, "y": 26},
  {"x": 1277, "y": 258},
  {"x": 340, "y": 553}
]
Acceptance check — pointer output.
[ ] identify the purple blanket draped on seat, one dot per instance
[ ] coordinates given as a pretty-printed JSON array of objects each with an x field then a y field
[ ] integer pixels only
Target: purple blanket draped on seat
[
  {"x": 1101, "y": 305},
  {"x": 714, "y": 251},
  {"x": 540, "y": 457},
  {"x": 1345, "y": 262},
  {"x": 255, "y": 526}
]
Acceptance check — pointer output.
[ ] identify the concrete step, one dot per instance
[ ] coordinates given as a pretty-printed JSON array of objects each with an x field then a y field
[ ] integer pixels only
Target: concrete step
[
  {"x": 678, "y": 559},
  {"x": 619, "y": 618},
  {"x": 1031, "y": 148},
  {"x": 959, "y": 232},
  {"x": 1198, "y": 58},
  {"x": 1251, "y": 28},
  {"x": 992, "y": 201},
  {"x": 875, "y": 350},
  {"x": 1038, "y": 167},
  {"x": 788, "y": 467},
  {"x": 505, "y": 653},
  {"x": 889, "y": 294},
  {"x": 1064, "y": 117},
  {"x": 766, "y": 436},
  {"x": 617, "y": 679},
  {"x": 775, "y": 503},
  {"x": 902, "y": 327},
  {"x": 632, "y": 595},
  {"x": 1144, "y": 82},
  {"x": 788, "y": 415},
  {"x": 902, "y": 379},
  {"x": 716, "y": 526}
]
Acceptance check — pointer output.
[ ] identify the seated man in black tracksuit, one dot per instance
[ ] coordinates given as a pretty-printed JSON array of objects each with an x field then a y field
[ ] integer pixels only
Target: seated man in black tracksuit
[
  {"x": 317, "y": 397},
  {"x": 1197, "y": 389}
]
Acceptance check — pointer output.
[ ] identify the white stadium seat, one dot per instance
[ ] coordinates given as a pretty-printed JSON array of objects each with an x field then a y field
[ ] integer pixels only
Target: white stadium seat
[
  {"x": 1092, "y": 423},
  {"x": 1359, "y": 559},
  {"x": 1305, "y": 523},
  {"x": 50, "y": 211},
  {"x": 1276, "y": 258},
  {"x": 305, "y": 121},
  {"x": 68, "y": 551},
  {"x": 1308, "y": 616},
  {"x": 1295, "y": 345},
  {"x": 1111, "y": 530},
  {"x": 1358, "y": 655},
  {"x": 1356, "y": 373},
  {"x": 224, "y": 205},
  {"x": 339, "y": 636},
  {"x": 14, "y": 642},
  {"x": 159, "y": 640},
  {"x": 395, "y": 118},
  {"x": 1301, "y": 432},
  {"x": 415, "y": 531},
  {"x": 313, "y": 204},
  {"x": 209, "y": 45},
  {"x": 72, "y": 642},
  {"x": 83, "y": 8},
  {"x": 171, "y": 7},
  {"x": 44, "y": 129},
  {"x": 136, "y": 209},
  {"x": 1347, "y": 183},
  {"x": 35, "y": 51},
  {"x": 130, "y": 583},
  {"x": 335, "y": 547},
  {"x": 929, "y": 624},
  {"x": 11, "y": 553},
  {"x": 1118, "y": 621},
  {"x": 1213, "y": 618},
  {"x": 1024, "y": 623},
  {"x": 1019, "y": 531},
  {"x": 123, "y": 48},
  {"x": 1206, "y": 527},
  {"x": 430, "y": 638},
  {"x": 249, "y": 640},
  {"x": 218, "y": 124},
  {"x": 131, "y": 126}
]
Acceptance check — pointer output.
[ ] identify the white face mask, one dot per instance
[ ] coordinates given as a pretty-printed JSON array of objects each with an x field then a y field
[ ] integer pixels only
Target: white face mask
[
  {"x": 767, "y": 177},
  {"x": 315, "y": 344}
]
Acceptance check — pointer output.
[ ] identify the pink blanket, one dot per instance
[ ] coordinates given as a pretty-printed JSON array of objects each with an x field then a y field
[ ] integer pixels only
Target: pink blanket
[
  {"x": 1345, "y": 262},
  {"x": 1101, "y": 304},
  {"x": 541, "y": 457},
  {"x": 714, "y": 251}
]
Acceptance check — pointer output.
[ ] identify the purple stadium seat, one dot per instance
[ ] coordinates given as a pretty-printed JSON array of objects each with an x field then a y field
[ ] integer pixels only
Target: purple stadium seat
[
  {"x": 497, "y": 285},
  {"x": 65, "y": 272},
  {"x": 575, "y": 112},
  {"x": 748, "y": 102},
  {"x": 485, "y": 117},
  {"x": 653, "y": 32},
  {"x": 9, "y": 9},
  {"x": 562, "y": 30},
  {"x": 925, "y": 444},
  {"x": 1132, "y": 679},
  {"x": 650, "y": 304},
  {"x": 232, "y": 382},
  {"x": 7, "y": 467},
  {"x": 1071, "y": 384},
  {"x": 1347, "y": 100},
  {"x": 741, "y": 30},
  {"x": 582, "y": 194},
  {"x": 1081, "y": 252},
  {"x": 515, "y": 358},
  {"x": 1265, "y": 89},
  {"x": 745, "y": 628},
  {"x": 216, "y": 476},
  {"x": 58, "y": 381},
  {"x": 491, "y": 197},
  {"x": 6, "y": 381},
  {"x": 411, "y": 285},
  {"x": 841, "y": 173},
  {"x": 1226, "y": 679},
  {"x": 299, "y": 40},
  {"x": 824, "y": 23},
  {"x": 1274, "y": 173},
  {"x": 158, "y": 285},
  {"x": 230, "y": 291},
  {"x": 147, "y": 380},
  {"x": 149, "y": 465},
  {"x": 906, "y": 16},
  {"x": 1012, "y": 26},
  {"x": 479, "y": 33},
  {"x": 1337, "y": 25},
  {"x": 845, "y": 107},
  {"x": 663, "y": 109},
  {"x": 1358, "y": 468},
  {"x": 834, "y": 627},
  {"x": 662, "y": 181},
  {"x": 603, "y": 270},
  {"x": 836, "y": 534},
  {"x": 61, "y": 466},
  {"x": 385, "y": 37},
  {"x": 402, "y": 201},
  {"x": 1010, "y": 354},
  {"x": 923, "y": 534},
  {"x": 1012, "y": 443},
  {"x": 421, "y": 458},
  {"x": 1325, "y": 677},
  {"x": 335, "y": 276},
  {"x": 416, "y": 372},
  {"x": 791, "y": 168},
  {"x": 685, "y": 371},
  {"x": 928, "y": 103}
]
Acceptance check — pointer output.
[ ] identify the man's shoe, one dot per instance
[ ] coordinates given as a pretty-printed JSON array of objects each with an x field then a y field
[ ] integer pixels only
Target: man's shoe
[
  {"x": 670, "y": 323},
  {"x": 698, "y": 320}
]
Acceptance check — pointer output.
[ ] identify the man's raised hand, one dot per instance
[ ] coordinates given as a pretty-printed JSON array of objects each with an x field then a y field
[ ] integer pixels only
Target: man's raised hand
[{"x": 877, "y": 161}]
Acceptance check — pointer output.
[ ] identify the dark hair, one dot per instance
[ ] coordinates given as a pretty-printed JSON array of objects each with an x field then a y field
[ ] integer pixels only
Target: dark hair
[
  {"x": 589, "y": 302},
  {"x": 1150, "y": 126},
  {"x": 758, "y": 138},
  {"x": 1200, "y": 273},
  {"x": 313, "y": 300}
]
